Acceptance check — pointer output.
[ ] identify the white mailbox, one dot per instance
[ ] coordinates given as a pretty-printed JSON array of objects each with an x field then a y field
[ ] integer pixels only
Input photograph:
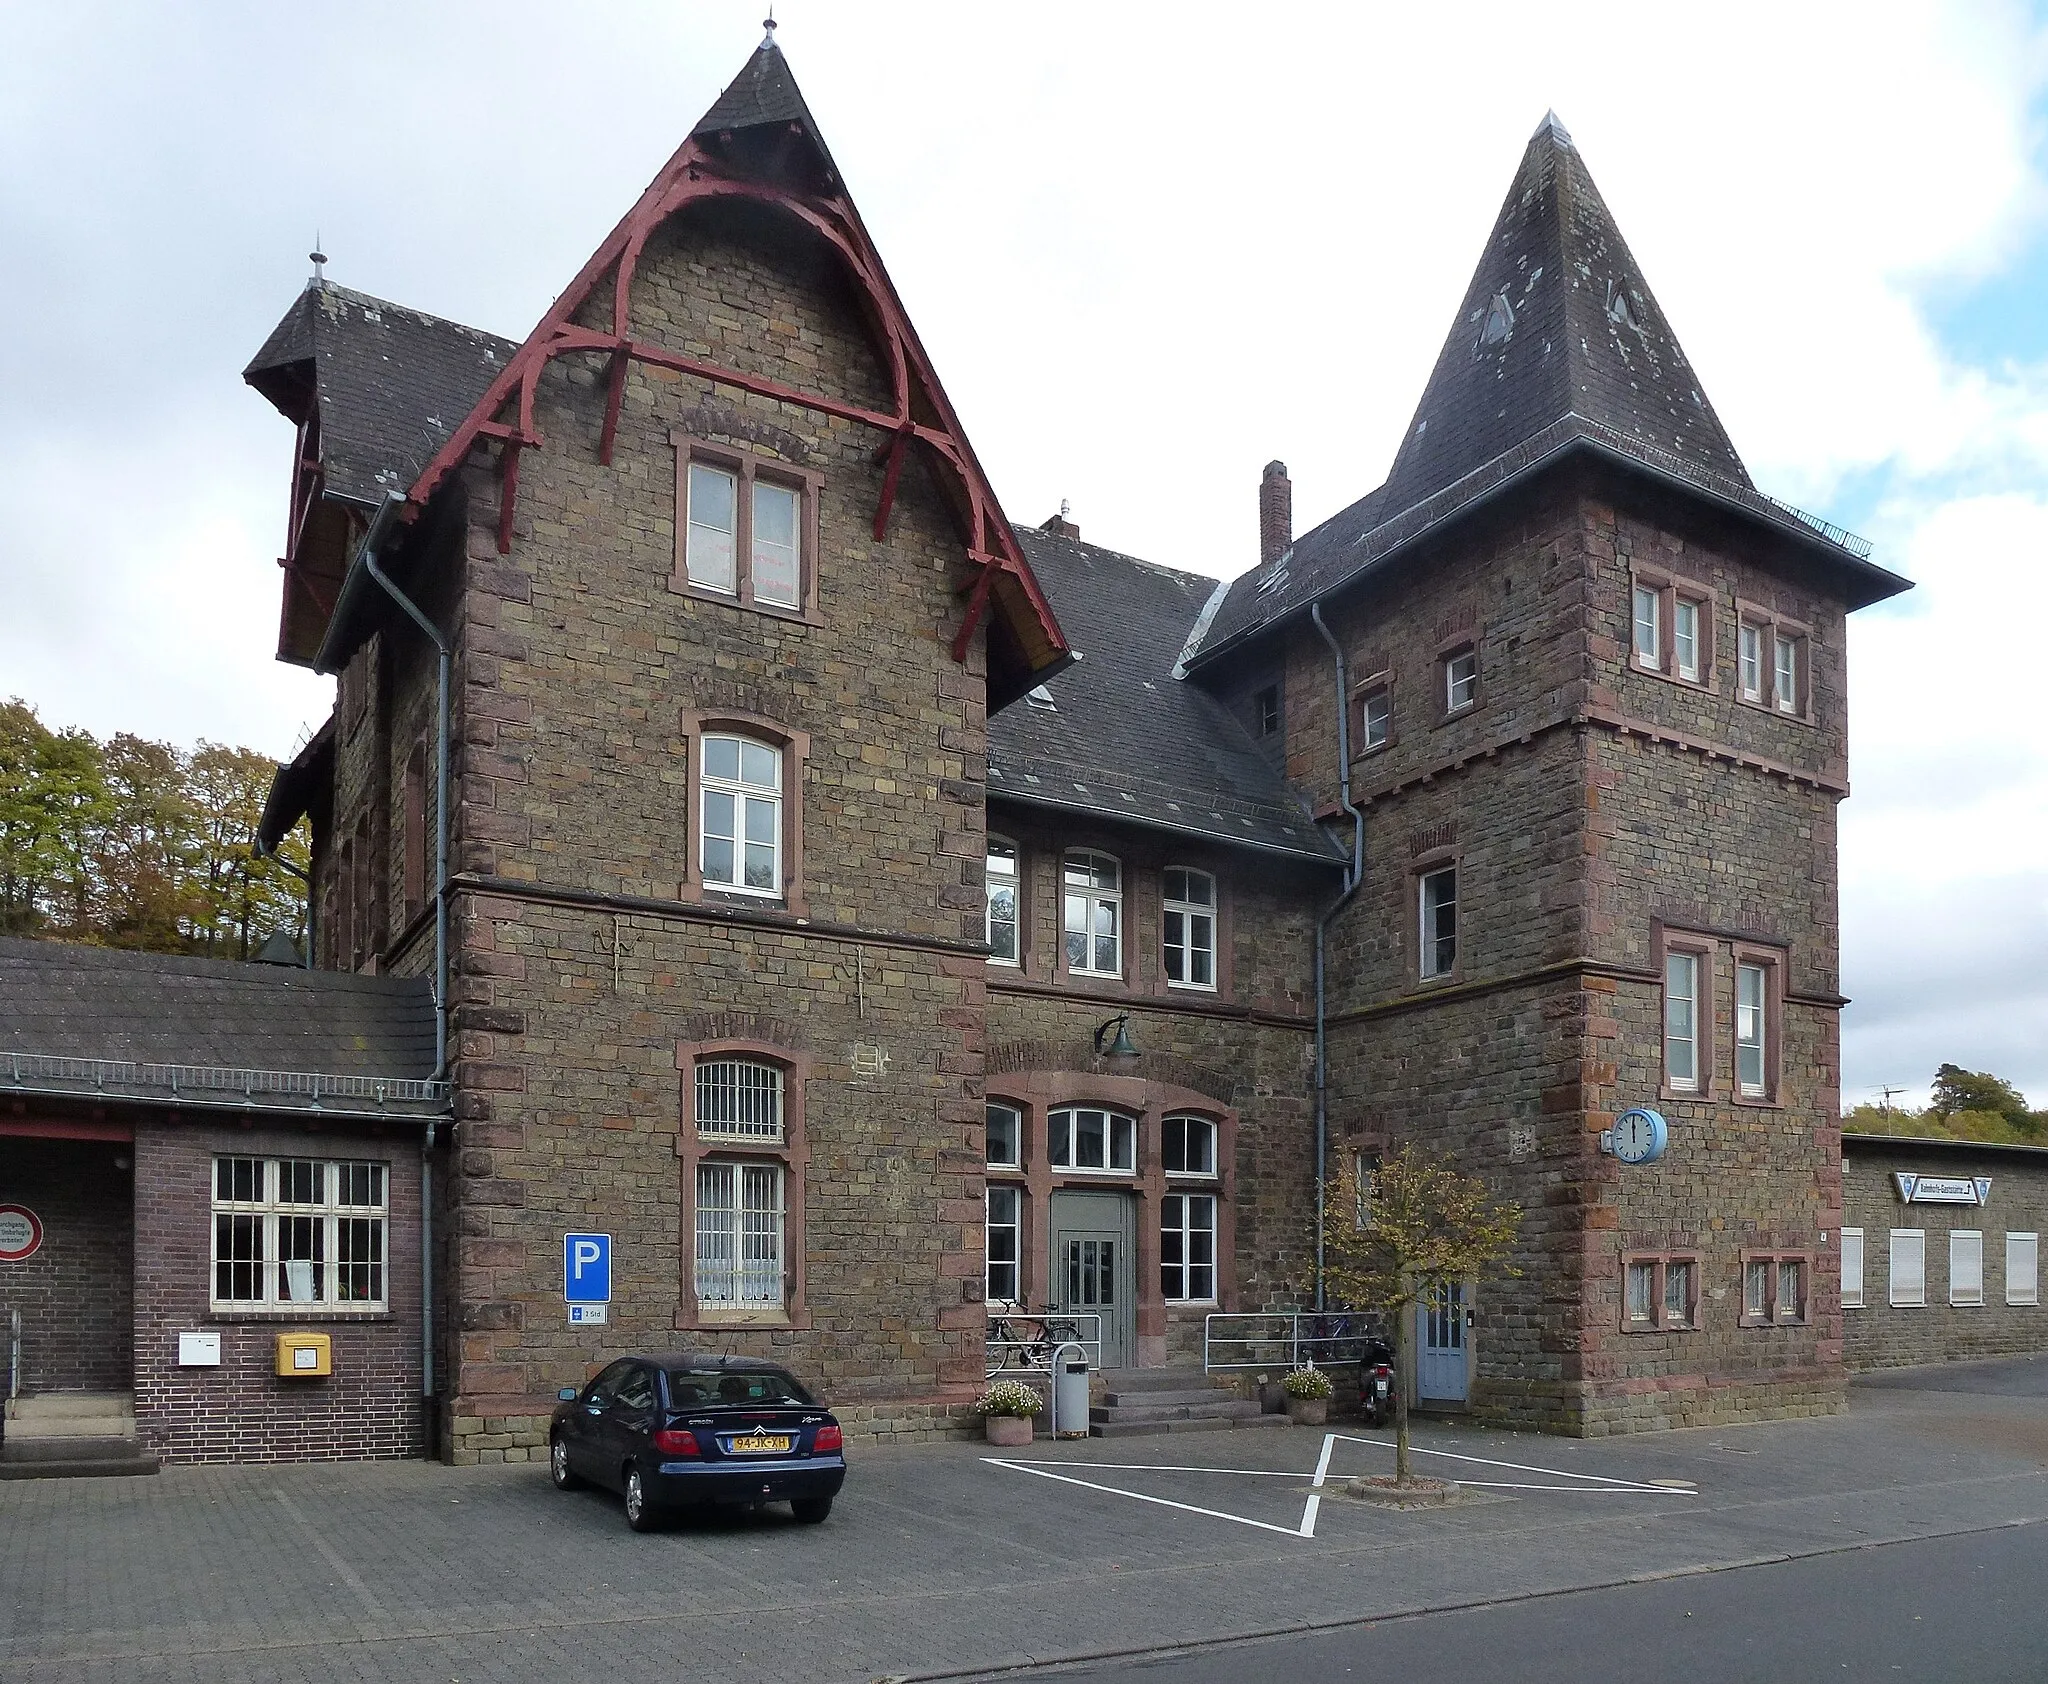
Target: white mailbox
[{"x": 199, "y": 1350}]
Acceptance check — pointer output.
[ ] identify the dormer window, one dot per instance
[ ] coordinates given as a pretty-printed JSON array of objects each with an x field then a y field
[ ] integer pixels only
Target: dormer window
[
  {"x": 1040, "y": 697},
  {"x": 1500, "y": 321}
]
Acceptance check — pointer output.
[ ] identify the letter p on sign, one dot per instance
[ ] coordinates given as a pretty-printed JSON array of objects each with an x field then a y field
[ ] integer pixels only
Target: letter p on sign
[{"x": 587, "y": 1268}]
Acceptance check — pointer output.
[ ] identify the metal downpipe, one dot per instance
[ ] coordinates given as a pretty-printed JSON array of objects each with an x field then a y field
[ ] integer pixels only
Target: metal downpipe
[{"x": 1354, "y": 872}]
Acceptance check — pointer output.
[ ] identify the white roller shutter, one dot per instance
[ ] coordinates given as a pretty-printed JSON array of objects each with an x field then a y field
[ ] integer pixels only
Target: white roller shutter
[
  {"x": 1965, "y": 1266},
  {"x": 2023, "y": 1268},
  {"x": 1908, "y": 1266},
  {"x": 1852, "y": 1268}
]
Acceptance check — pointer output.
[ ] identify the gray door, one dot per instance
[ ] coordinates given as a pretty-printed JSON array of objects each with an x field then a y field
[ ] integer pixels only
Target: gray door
[
  {"x": 1094, "y": 1267},
  {"x": 1440, "y": 1319}
]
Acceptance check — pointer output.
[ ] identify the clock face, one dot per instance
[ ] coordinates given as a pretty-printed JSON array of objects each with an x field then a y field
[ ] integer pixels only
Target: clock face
[{"x": 1638, "y": 1136}]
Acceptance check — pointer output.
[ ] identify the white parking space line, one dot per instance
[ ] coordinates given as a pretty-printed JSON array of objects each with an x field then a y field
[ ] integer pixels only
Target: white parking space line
[
  {"x": 1663, "y": 1488},
  {"x": 1305, "y": 1530}
]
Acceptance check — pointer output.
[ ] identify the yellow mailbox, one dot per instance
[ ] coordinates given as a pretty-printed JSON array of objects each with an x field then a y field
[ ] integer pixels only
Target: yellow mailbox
[{"x": 304, "y": 1356}]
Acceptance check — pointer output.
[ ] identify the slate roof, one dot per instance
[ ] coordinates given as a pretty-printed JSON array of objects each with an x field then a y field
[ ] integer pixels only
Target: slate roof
[
  {"x": 1125, "y": 739},
  {"x": 1559, "y": 345},
  {"x": 101, "y": 1020},
  {"x": 764, "y": 92},
  {"x": 391, "y": 383}
]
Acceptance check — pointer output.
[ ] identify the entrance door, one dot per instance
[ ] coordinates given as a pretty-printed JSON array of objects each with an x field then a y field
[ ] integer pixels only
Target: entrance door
[
  {"x": 1440, "y": 1370},
  {"x": 1094, "y": 1266}
]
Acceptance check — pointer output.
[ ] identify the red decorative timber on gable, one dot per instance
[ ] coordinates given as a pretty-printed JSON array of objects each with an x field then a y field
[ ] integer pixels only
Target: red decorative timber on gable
[{"x": 694, "y": 174}]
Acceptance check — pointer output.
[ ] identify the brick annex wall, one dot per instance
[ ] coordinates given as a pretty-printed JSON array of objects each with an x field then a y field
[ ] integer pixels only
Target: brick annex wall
[
  {"x": 242, "y": 1411},
  {"x": 75, "y": 1293},
  {"x": 1881, "y": 1335}
]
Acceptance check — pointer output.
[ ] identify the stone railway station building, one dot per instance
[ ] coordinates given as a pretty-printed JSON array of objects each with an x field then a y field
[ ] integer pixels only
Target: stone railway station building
[{"x": 735, "y": 836}]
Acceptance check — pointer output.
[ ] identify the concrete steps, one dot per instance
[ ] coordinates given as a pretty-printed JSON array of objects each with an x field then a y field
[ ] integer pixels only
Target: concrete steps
[
  {"x": 1137, "y": 1402},
  {"x": 72, "y": 1435}
]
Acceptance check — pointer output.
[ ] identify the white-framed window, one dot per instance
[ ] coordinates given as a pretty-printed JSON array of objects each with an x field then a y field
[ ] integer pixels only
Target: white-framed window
[
  {"x": 1083, "y": 1137},
  {"x": 1790, "y": 1303},
  {"x": 1642, "y": 1294},
  {"x": 1756, "y": 1288},
  {"x": 739, "y": 1235},
  {"x": 1649, "y": 627},
  {"x": 734, "y": 517},
  {"x": 1785, "y": 674},
  {"x": 1682, "y": 1022},
  {"x": 1752, "y": 1061},
  {"x": 1437, "y": 898},
  {"x": 739, "y": 1099},
  {"x": 1908, "y": 1266},
  {"x": 1190, "y": 928},
  {"x": 741, "y": 836},
  {"x": 1685, "y": 638},
  {"x": 1187, "y": 1248},
  {"x": 2023, "y": 1268},
  {"x": 1003, "y": 1234},
  {"x": 1187, "y": 1146},
  {"x": 1852, "y": 1268},
  {"x": 1375, "y": 719},
  {"x": 1680, "y": 1292},
  {"x": 1002, "y": 880},
  {"x": 1461, "y": 680},
  {"x": 1003, "y": 1133},
  {"x": 290, "y": 1231},
  {"x": 1749, "y": 661},
  {"x": 1965, "y": 1266},
  {"x": 1094, "y": 913},
  {"x": 1365, "y": 1173},
  {"x": 714, "y": 516}
]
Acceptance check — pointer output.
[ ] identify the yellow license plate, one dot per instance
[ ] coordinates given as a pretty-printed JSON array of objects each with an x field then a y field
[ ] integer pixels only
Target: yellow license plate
[{"x": 759, "y": 1442}]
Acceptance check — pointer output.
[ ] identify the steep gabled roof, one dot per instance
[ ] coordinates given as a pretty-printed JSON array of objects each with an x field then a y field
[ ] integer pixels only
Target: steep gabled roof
[
  {"x": 1558, "y": 347},
  {"x": 1124, "y": 738},
  {"x": 390, "y": 383}
]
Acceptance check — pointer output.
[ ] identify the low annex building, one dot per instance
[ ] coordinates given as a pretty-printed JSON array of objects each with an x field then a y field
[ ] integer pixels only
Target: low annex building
[{"x": 860, "y": 908}]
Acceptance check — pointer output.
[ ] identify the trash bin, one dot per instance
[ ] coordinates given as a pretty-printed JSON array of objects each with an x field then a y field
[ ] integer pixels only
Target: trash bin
[{"x": 1070, "y": 1394}]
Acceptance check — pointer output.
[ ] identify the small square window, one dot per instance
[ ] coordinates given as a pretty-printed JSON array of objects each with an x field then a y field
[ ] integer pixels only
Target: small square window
[{"x": 1461, "y": 680}]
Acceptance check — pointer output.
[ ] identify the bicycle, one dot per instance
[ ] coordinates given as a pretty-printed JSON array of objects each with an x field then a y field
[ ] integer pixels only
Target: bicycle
[{"x": 1031, "y": 1344}]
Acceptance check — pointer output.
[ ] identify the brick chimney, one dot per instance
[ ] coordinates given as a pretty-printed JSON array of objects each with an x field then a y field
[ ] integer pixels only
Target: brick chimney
[
  {"x": 1060, "y": 525},
  {"x": 1276, "y": 513}
]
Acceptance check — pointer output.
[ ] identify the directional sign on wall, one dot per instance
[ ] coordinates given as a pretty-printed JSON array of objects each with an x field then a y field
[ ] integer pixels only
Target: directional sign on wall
[{"x": 1943, "y": 1189}]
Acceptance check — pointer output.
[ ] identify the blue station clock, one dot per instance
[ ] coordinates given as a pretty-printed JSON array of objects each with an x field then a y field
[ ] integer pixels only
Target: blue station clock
[{"x": 1640, "y": 1136}]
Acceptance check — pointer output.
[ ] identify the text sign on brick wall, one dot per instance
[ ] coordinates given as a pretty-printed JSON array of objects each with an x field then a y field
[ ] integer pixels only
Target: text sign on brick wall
[
  {"x": 21, "y": 1233},
  {"x": 587, "y": 1268},
  {"x": 1943, "y": 1189}
]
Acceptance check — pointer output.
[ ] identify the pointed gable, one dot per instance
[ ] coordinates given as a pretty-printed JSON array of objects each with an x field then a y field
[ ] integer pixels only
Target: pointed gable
[{"x": 1557, "y": 321}]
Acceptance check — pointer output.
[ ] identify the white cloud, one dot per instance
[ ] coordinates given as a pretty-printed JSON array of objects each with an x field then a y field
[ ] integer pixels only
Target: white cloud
[{"x": 1149, "y": 248}]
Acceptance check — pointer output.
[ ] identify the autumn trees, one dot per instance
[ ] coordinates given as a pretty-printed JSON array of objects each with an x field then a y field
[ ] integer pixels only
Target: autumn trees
[{"x": 136, "y": 843}]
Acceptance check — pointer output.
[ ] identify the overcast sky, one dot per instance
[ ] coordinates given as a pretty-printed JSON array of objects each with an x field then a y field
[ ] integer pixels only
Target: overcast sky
[{"x": 1149, "y": 248}]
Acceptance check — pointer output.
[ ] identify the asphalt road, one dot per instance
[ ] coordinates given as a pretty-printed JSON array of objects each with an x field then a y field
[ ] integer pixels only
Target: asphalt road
[{"x": 1934, "y": 1610}]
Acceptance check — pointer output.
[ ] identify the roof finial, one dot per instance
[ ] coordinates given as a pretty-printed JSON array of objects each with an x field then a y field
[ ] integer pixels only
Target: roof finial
[
  {"x": 319, "y": 260},
  {"x": 768, "y": 24}
]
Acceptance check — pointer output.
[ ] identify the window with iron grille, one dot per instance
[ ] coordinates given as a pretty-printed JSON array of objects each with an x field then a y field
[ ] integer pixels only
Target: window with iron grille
[
  {"x": 289, "y": 1231},
  {"x": 738, "y": 1099},
  {"x": 739, "y": 1236}
]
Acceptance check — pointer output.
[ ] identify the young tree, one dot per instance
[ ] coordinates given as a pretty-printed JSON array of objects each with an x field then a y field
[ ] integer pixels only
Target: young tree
[{"x": 1419, "y": 1220}]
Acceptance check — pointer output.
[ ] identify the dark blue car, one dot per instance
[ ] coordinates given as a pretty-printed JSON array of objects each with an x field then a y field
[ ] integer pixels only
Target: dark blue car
[{"x": 687, "y": 1429}]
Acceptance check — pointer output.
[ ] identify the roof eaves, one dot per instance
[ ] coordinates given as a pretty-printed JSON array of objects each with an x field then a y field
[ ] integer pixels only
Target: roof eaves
[
  {"x": 1938, "y": 1142},
  {"x": 214, "y": 1088},
  {"x": 1143, "y": 821}
]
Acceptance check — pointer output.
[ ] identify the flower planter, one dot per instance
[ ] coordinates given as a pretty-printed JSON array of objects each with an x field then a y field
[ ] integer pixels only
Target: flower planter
[
  {"x": 1011, "y": 1430},
  {"x": 1308, "y": 1411}
]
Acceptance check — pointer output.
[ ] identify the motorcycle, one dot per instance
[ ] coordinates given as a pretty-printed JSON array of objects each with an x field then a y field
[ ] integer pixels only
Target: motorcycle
[{"x": 1376, "y": 1382}]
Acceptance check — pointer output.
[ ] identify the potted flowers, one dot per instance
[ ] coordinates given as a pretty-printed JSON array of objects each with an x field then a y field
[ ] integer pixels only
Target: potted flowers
[
  {"x": 1006, "y": 1410},
  {"x": 1308, "y": 1395}
]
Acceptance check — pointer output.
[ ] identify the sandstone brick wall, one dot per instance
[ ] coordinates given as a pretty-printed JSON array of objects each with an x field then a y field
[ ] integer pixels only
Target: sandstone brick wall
[
  {"x": 75, "y": 1294},
  {"x": 1882, "y": 1335},
  {"x": 241, "y": 1411}
]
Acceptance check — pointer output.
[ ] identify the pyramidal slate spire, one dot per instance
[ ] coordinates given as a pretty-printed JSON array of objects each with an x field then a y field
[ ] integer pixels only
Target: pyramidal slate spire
[{"x": 1558, "y": 321}]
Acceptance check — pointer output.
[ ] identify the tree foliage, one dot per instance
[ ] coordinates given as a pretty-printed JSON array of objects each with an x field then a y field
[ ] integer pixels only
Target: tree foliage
[
  {"x": 1962, "y": 1105},
  {"x": 137, "y": 843},
  {"x": 1417, "y": 1221}
]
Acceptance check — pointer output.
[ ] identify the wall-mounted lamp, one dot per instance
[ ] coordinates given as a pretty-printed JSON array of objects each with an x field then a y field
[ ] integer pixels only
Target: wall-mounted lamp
[{"x": 1120, "y": 1047}]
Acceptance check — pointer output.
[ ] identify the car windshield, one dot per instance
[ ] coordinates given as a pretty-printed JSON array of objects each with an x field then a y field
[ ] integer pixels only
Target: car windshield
[{"x": 744, "y": 1389}]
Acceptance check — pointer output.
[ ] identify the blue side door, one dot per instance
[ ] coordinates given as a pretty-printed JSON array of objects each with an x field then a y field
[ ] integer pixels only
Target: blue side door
[{"x": 1441, "y": 1366}]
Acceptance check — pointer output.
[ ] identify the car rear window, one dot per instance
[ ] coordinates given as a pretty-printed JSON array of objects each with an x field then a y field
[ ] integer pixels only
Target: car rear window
[{"x": 754, "y": 1386}]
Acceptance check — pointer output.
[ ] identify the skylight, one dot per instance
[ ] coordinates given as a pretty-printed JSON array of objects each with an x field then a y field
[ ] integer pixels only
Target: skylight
[
  {"x": 1500, "y": 320},
  {"x": 1040, "y": 697}
]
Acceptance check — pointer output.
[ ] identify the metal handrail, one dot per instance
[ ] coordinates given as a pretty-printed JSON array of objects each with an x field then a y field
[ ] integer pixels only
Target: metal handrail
[
  {"x": 1234, "y": 1341},
  {"x": 13, "y": 1355},
  {"x": 105, "y": 1074},
  {"x": 1034, "y": 1354}
]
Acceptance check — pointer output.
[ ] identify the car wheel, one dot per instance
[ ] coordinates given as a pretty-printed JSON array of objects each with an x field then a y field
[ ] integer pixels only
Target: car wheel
[
  {"x": 810, "y": 1510},
  {"x": 641, "y": 1514},
  {"x": 558, "y": 1465}
]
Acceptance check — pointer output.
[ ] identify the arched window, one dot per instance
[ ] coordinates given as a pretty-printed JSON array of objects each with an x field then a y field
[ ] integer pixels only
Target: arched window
[
  {"x": 1189, "y": 928},
  {"x": 1094, "y": 914},
  {"x": 738, "y": 1099},
  {"x": 1002, "y": 877},
  {"x": 1085, "y": 1137},
  {"x": 1187, "y": 1146},
  {"x": 740, "y": 835}
]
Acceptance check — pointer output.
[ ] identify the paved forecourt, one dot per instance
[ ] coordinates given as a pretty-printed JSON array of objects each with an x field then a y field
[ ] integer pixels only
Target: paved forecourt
[{"x": 952, "y": 1556}]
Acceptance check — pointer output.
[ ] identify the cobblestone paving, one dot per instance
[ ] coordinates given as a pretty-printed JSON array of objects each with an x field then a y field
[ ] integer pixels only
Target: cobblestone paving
[{"x": 934, "y": 1559}]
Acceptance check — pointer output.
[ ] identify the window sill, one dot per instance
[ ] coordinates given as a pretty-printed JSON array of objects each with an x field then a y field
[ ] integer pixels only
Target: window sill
[
  {"x": 1451, "y": 716},
  {"x": 1372, "y": 749},
  {"x": 682, "y": 586},
  {"x": 1208, "y": 1175},
  {"x": 1702, "y": 685},
  {"x": 1096, "y": 1174},
  {"x": 1005, "y": 964},
  {"x": 1208, "y": 988},
  {"x": 296, "y": 1313},
  {"x": 1805, "y": 719},
  {"x": 703, "y": 1317},
  {"x": 1093, "y": 976},
  {"x": 1686, "y": 1096},
  {"x": 1660, "y": 1327},
  {"x": 1192, "y": 1303},
  {"x": 1759, "y": 1102}
]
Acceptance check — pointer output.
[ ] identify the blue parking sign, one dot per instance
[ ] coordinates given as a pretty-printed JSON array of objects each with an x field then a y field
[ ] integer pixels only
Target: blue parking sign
[{"x": 587, "y": 1268}]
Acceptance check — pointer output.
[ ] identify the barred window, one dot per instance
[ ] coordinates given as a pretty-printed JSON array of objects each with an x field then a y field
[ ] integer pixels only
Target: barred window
[
  {"x": 299, "y": 1231},
  {"x": 739, "y": 1100},
  {"x": 739, "y": 1236}
]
